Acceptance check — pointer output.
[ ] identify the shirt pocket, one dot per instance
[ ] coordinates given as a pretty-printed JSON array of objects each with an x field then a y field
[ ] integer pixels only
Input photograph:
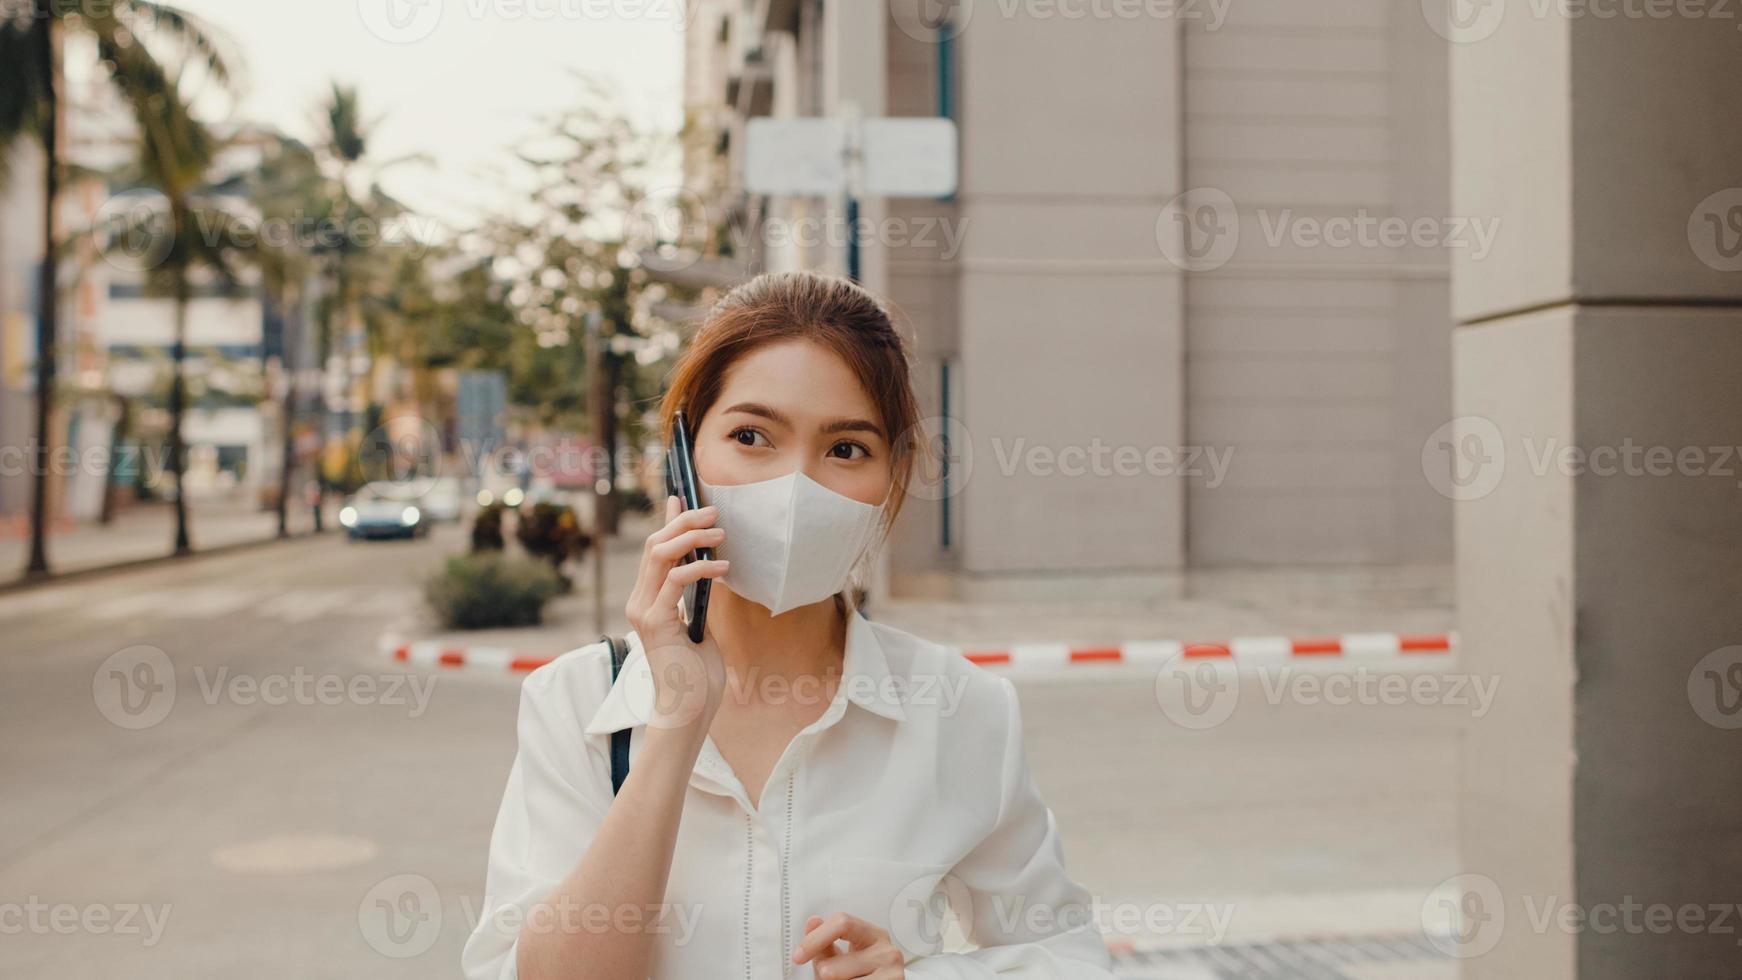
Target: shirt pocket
[{"x": 911, "y": 901}]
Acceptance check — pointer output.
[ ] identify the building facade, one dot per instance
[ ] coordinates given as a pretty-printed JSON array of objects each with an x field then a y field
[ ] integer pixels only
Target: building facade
[{"x": 1166, "y": 299}]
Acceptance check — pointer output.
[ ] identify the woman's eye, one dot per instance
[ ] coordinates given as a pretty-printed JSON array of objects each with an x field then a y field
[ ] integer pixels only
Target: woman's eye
[
  {"x": 850, "y": 447},
  {"x": 746, "y": 436}
]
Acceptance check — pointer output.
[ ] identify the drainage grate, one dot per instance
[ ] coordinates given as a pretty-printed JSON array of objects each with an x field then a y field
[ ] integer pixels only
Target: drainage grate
[{"x": 1404, "y": 956}]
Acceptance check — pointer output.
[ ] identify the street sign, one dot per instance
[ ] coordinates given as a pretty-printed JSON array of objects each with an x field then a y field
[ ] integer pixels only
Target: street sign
[
  {"x": 795, "y": 156},
  {"x": 896, "y": 157},
  {"x": 910, "y": 157}
]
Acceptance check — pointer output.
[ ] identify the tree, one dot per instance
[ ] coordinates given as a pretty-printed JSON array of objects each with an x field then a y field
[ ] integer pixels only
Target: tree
[
  {"x": 350, "y": 253},
  {"x": 30, "y": 108},
  {"x": 287, "y": 190},
  {"x": 573, "y": 252},
  {"x": 196, "y": 241}
]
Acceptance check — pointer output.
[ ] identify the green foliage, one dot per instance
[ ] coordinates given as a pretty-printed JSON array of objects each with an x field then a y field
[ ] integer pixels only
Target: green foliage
[
  {"x": 481, "y": 591},
  {"x": 487, "y": 529},
  {"x": 551, "y": 531}
]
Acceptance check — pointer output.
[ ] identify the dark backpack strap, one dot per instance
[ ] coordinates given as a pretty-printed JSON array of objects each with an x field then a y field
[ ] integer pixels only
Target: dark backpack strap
[{"x": 619, "y": 738}]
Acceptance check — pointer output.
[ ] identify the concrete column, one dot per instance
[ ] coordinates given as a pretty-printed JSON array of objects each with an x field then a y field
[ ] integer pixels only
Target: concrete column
[
  {"x": 1599, "y": 519},
  {"x": 1070, "y": 314}
]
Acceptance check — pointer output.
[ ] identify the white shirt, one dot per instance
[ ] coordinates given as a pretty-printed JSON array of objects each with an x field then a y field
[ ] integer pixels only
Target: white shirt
[{"x": 907, "y": 803}]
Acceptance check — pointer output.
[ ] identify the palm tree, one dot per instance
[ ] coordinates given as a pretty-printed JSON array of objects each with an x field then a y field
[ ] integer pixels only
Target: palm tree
[
  {"x": 194, "y": 236},
  {"x": 287, "y": 187},
  {"x": 355, "y": 264},
  {"x": 30, "y": 107}
]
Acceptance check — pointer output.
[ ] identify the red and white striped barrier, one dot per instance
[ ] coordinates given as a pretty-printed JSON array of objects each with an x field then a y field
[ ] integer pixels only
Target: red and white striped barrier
[{"x": 1256, "y": 651}]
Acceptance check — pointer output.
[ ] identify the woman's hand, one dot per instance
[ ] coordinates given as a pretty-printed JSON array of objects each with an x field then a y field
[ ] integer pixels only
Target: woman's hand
[
  {"x": 869, "y": 953},
  {"x": 688, "y": 678}
]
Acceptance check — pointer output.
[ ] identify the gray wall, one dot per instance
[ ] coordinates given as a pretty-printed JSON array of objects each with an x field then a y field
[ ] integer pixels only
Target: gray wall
[{"x": 1323, "y": 369}]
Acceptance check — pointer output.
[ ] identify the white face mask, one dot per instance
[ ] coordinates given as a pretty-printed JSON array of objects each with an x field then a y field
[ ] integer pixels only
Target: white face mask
[{"x": 791, "y": 540}]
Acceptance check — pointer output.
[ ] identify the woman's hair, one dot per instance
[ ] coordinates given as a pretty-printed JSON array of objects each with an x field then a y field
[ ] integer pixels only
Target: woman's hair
[{"x": 836, "y": 313}]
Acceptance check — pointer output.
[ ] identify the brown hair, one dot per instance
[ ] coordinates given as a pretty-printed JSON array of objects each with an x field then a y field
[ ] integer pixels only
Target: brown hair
[{"x": 837, "y": 313}]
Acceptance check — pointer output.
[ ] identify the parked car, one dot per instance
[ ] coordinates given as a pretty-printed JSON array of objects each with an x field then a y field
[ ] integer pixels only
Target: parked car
[{"x": 369, "y": 514}]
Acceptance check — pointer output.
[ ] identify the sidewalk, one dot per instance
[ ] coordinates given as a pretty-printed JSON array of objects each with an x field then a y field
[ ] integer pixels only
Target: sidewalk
[
  {"x": 1214, "y": 606},
  {"x": 148, "y": 531}
]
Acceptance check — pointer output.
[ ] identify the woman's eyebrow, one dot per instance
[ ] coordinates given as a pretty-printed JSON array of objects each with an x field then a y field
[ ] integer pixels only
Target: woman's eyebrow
[{"x": 838, "y": 425}]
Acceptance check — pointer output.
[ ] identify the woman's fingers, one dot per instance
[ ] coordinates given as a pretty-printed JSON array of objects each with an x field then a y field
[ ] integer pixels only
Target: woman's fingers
[
  {"x": 857, "y": 933},
  {"x": 680, "y": 577},
  {"x": 671, "y": 552},
  {"x": 656, "y": 561}
]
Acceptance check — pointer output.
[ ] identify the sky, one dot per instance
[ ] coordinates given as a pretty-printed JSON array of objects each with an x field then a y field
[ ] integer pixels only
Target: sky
[{"x": 461, "y": 81}]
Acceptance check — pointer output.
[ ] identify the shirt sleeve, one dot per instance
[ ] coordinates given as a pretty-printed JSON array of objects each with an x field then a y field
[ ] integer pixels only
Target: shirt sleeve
[
  {"x": 1029, "y": 918},
  {"x": 555, "y": 800}
]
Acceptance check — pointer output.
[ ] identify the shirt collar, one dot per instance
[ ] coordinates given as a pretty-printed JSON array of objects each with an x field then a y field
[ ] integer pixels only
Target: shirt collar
[{"x": 865, "y": 681}]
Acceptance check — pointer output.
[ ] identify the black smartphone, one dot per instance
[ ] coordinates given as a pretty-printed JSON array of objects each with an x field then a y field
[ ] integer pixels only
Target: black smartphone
[{"x": 680, "y": 480}]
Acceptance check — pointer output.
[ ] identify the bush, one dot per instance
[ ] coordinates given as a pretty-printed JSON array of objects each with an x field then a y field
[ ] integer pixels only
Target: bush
[
  {"x": 487, "y": 529},
  {"x": 552, "y": 532},
  {"x": 479, "y": 591}
]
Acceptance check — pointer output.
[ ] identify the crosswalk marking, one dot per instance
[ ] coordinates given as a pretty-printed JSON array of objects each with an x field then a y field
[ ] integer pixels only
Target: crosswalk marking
[{"x": 215, "y": 602}]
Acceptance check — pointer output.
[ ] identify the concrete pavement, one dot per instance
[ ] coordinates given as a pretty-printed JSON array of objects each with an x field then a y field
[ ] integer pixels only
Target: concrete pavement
[{"x": 293, "y": 779}]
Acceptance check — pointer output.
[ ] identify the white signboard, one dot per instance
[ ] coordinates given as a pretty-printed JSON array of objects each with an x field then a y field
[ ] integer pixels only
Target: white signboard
[
  {"x": 899, "y": 157},
  {"x": 795, "y": 156},
  {"x": 910, "y": 157}
]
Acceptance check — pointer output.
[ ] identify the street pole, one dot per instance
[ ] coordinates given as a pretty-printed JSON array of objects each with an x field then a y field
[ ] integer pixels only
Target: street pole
[{"x": 601, "y": 479}]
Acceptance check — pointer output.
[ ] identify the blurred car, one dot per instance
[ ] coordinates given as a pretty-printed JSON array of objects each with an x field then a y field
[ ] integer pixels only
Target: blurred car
[
  {"x": 373, "y": 515},
  {"x": 443, "y": 501}
]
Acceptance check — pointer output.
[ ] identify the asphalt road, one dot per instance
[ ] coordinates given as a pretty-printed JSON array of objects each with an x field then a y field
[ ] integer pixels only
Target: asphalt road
[{"x": 252, "y": 817}]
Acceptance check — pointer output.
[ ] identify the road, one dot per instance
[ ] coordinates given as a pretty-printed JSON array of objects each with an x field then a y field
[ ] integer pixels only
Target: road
[{"x": 244, "y": 824}]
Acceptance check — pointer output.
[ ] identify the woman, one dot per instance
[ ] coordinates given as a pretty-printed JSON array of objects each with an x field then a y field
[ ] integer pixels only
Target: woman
[{"x": 807, "y": 790}]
